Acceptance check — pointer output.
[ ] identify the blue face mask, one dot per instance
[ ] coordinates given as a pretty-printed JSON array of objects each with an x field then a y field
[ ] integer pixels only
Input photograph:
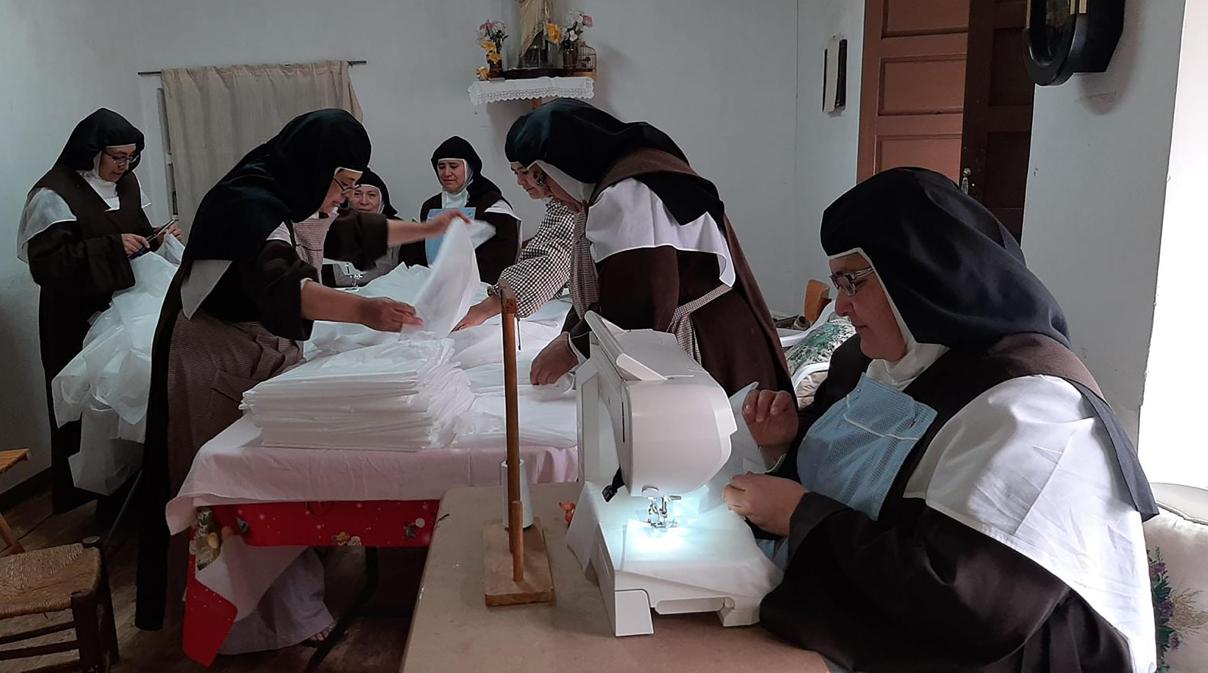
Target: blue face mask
[{"x": 853, "y": 453}]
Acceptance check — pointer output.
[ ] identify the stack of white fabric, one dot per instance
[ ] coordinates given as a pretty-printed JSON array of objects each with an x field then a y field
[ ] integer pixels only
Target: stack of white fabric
[{"x": 401, "y": 396}]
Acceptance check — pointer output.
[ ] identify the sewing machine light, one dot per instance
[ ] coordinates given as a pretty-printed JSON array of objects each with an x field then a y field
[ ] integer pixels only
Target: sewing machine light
[
  {"x": 645, "y": 543},
  {"x": 661, "y": 513}
]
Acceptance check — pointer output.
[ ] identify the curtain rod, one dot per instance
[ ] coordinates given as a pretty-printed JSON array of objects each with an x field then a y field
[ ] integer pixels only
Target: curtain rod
[{"x": 160, "y": 72}]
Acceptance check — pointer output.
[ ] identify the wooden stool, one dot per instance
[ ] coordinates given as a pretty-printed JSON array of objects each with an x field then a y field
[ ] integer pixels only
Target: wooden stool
[
  {"x": 71, "y": 577},
  {"x": 7, "y": 460}
]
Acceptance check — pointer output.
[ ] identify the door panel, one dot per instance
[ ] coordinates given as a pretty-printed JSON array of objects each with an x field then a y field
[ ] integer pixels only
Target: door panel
[
  {"x": 913, "y": 86},
  {"x": 997, "y": 129}
]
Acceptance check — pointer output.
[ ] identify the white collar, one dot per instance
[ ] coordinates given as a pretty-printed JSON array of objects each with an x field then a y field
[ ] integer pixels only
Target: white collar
[
  {"x": 581, "y": 191},
  {"x": 105, "y": 189}
]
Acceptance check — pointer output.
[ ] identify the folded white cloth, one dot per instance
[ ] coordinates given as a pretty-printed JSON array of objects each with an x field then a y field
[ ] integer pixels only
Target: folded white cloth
[{"x": 401, "y": 396}]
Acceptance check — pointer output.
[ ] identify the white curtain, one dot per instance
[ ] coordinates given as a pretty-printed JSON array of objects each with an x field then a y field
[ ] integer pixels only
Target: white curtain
[{"x": 215, "y": 115}]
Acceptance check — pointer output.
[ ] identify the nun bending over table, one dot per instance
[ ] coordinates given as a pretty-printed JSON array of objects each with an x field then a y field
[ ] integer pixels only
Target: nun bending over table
[
  {"x": 959, "y": 497},
  {"x": 656, "y": 249},
  {"x": 243, "y": 298}
]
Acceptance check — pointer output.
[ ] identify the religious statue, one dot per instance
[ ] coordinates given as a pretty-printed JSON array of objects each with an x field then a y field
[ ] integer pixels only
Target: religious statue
[{"x": 534, "y": 14}]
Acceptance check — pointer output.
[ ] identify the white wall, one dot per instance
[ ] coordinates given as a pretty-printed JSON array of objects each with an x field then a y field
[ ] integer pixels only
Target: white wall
[
  {"x": 1173, "y": 449},
  {"x": 48, "y": 87},
  {"x": 718, "y": 76},
  {"x": 1095, "y": 199},
  {"x": 826, "y": 141}
]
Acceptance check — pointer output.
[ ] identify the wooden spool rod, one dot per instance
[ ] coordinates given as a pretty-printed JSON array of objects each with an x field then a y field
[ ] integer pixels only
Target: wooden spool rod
[{"x": 507, "y": 299}]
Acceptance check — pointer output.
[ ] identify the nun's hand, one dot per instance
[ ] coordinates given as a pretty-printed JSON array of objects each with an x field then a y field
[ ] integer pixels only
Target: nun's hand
[
  {"x": 174, "y": 230},
  {"x": 437, "y": 225},
  {"x": 767, "y": 502},
  {"x": 133, "y": 243},
  {"x": 771, "y": 415},
  {"x": 479, "y": 313},
  {"x": 553, "y": 361},
  {"x": 387, "y": 315}
]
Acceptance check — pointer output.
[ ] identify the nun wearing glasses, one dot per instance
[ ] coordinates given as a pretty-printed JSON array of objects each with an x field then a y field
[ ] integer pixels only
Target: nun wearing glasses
[
  {"x": 959, "y": 497},
  {"x": 83, "y": 221}
]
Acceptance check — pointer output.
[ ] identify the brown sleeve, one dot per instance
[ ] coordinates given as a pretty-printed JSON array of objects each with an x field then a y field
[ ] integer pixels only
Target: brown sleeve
[
  {"x": 356, "y": 237},
  {"x": 924, "y": 592},
  {"x": 274, "y": 282},
  {"x": 59, "y": 259},
  {"x": 639, "y": 289},
  {"x": 501, "y": 250}
]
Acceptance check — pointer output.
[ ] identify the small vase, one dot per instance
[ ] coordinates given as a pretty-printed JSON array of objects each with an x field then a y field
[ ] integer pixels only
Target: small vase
[{"x": 570, "y": 58}]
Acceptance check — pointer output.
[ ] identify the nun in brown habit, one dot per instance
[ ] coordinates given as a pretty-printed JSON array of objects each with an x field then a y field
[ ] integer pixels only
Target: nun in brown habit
[
  {"x": 459, "y": 170},
  {"x": 82, "y": 223},
  {"x": 243, "y": 298},
  {"x": 959, "y": 496},
  {"x": 656, "y": 251}
]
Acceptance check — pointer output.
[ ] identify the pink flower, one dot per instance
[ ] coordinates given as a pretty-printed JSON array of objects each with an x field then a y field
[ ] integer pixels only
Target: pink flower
[{"x": 587, "y": 21}]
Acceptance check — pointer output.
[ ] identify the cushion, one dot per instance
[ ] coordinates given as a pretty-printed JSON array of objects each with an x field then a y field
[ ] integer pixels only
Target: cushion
[
  {"x": 809, "y": 359},
  {"x": 1177, "y": 544}
]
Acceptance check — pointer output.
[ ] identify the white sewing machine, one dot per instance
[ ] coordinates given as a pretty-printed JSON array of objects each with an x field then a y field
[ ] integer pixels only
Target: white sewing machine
[{"x": 647, "y": 407}]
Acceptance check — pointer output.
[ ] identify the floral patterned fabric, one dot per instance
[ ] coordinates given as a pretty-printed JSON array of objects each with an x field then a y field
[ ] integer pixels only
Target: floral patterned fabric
[
  {"x": 817, "y": 346},
  {"x": 809, "y": 359},
  {"x": 1178, "y": 576}
]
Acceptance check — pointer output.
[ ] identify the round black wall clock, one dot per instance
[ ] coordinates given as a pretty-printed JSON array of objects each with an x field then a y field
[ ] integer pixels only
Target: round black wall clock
[{"x": 1063, "y": 37}]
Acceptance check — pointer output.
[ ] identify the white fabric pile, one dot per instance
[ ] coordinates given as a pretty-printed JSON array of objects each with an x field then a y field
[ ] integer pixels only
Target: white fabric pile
[
  {"x": 358, "y": 389},
  {"x": 105, "y": 386},
  {"x": 402, "y": 396},
  {"x": 441, "y": 296}
]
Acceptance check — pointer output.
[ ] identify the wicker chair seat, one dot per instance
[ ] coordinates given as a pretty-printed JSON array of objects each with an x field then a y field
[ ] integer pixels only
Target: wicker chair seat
[{"x": 44, "y": 580}]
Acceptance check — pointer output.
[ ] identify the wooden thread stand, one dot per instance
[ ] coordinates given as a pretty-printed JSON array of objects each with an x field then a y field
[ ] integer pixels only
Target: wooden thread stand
[{"x": 516, "y": 567}]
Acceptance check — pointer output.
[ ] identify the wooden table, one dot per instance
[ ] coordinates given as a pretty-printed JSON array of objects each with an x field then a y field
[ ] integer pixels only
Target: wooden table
[{"x": 453, "y": 630}]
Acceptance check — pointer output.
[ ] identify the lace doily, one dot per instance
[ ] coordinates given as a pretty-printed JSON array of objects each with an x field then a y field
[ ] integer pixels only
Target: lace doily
[{"x": 494, "y": 91}]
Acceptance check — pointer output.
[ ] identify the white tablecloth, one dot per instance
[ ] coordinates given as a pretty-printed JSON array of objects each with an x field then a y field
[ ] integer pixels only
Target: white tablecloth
[{"x": 233, "y": 468}]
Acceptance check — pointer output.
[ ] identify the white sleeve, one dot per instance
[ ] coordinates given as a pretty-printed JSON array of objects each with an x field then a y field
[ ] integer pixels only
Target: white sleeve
[
  {"x": 1029, "y": 464},
  {"x": 502, "y": 207},
  {"x": 43, "y": 208},
  {"x": 630, "y": 216}
]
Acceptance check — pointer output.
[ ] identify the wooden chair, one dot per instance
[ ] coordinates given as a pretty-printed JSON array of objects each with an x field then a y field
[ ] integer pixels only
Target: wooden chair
[
  {"x": 817, "y": 296},
  {"x": 70, "y": 577},
  {"x": 7, "y": 460}
]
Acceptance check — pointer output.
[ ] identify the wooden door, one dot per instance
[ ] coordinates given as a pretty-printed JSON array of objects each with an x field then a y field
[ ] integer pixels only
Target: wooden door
[
  {"x": 913, "y": 85},
  {"x": 997, "y": 130}
]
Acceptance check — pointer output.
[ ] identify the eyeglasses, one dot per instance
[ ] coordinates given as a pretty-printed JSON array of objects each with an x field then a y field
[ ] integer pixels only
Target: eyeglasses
[
  {"x": 344, "y": 189},
  {"x": 849, "y": 282},
  {"x": 121, "y": 159}
]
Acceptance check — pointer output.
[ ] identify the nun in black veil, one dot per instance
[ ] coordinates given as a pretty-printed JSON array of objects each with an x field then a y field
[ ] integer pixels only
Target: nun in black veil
[
  {"x": 82, "y": 222},
  {"x": 656, "y": 251},
  {"x": 959, "y": 496},
  {"x": 234, "y": 316}
]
